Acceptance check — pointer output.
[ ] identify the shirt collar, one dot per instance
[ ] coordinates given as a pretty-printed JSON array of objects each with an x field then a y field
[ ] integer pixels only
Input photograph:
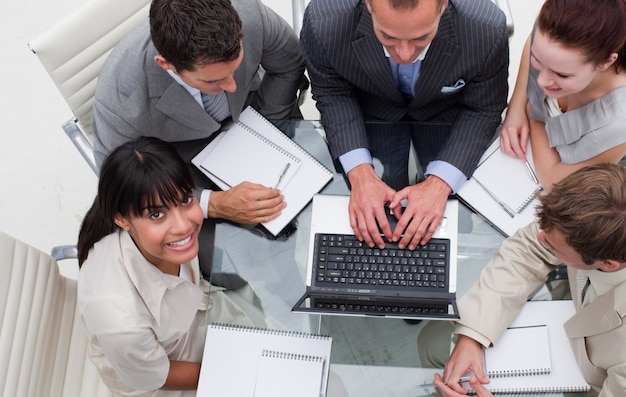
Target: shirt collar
[
  {"x": 151, "y": 283},
  {"x": 194, "y": 92},
  {"x": 420, "y": 57},
  {"x": 603, "y": 282}
]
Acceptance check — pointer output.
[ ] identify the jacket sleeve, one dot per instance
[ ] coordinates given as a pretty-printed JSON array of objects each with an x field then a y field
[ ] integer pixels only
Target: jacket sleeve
[
  {"x": 520, "y": 267},
  {"x": 283, "y": 67}
]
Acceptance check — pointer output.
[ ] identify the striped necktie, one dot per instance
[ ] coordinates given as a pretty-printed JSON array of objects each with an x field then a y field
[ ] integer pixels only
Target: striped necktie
[{"x": 216, "y": 106}]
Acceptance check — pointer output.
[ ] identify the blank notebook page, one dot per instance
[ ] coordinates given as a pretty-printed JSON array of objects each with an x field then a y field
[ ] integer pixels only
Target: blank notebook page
[
  {"x": 520, "y": 351},
  {"x": 283, "y": 374}
]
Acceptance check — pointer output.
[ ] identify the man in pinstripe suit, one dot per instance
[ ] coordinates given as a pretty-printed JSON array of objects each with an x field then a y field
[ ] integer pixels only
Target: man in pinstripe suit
[{"x": 440, "y": 64}]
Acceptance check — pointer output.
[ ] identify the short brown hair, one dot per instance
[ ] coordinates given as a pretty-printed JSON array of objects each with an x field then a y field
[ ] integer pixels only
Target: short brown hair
[
  {"x": 190, "y": 33},
  {"x": 589, "y": 208}
]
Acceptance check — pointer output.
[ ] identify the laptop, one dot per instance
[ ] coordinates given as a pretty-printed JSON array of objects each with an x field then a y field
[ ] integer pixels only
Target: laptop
[{"x": 345, "y": 277}]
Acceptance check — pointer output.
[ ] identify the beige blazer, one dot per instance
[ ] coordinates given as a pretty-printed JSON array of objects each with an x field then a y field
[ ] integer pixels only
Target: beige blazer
[{"x": 597, "y": 332}]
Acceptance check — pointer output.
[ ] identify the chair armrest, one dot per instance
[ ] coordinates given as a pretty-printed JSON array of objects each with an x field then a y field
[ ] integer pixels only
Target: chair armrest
[
  {"x": 64, "y": 252},
  {"x": 81, "y": 142}
]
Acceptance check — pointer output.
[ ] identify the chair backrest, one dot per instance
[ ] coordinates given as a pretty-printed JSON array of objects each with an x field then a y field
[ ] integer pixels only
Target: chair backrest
[
  {"x": 74, "y": 49},
  {"x": 43, "y": 349}
]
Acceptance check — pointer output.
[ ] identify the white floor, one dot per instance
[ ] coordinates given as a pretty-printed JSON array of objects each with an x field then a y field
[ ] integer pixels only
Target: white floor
[{"x": 46, "y": 185}]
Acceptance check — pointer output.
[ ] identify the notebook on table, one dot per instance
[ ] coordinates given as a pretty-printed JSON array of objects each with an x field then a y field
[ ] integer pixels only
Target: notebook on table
[
  {"x": 344, "y": 277},
  {"x": 564, "y": 374},
  {"x": 256, "y": 362},
  {"x": 502, "y": 190},
  {"x": 254, "y": 150},
  {"x": 523, "y": 350}
]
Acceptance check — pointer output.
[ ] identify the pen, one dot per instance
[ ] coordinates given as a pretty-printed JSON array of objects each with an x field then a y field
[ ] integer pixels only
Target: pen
[
  {"x": 531, "y": 172},
  {"x": 505, "y": 207},
  {"x": 462, "y": 380},
  {"x": 282, "y": 174}
]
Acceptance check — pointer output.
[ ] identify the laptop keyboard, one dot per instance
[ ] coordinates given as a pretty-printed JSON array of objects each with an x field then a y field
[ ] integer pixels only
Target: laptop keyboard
[{"x": 342, "y": 260}]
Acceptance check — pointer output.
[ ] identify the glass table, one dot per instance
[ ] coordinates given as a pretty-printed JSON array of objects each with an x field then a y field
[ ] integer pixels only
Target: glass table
[{"x": 372, "y": 356}]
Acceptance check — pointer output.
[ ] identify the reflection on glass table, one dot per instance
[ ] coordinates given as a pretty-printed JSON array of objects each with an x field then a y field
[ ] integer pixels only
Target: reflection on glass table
[{"x": 373, "y": 356}]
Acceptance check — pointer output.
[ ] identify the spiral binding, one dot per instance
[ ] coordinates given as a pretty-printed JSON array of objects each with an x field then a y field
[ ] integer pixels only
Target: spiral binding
[
  {"x": 270, "y": 143},
  {"x": 524, "y": 390},
  {"x": 519, "y": 372},
  {"x": 287, "y": 140},
  {"x": 267, "y": 331},
  {"x": 290, "y": 356},
  {"x": 547, "y": 389},
  {"x": 528, "y": 200}
]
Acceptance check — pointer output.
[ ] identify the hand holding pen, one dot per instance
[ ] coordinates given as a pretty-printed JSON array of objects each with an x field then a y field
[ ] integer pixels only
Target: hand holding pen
[{"x": 472, "y": 382}]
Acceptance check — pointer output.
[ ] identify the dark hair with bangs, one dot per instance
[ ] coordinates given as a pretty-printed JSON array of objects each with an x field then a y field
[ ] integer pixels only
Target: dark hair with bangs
[
  {"x": 597, "y": 28},
  {"x": 190, "y": 33},
  {"x": 138, "y": 175},
  {"x": 589, "y": 208}
]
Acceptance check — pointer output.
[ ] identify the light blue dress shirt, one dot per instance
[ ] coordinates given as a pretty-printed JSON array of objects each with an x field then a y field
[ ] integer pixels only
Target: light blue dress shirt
[{"x": 442, "y": 169}]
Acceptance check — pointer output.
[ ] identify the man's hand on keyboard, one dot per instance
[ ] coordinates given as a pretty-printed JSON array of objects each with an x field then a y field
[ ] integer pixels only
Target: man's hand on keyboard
[
  {"x": 368, "y": 196},
  {"x": 423, "y": 213}
]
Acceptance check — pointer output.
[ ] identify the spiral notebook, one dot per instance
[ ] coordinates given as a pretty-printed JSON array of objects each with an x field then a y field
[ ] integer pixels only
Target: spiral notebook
[
  {"x": 564, "y": 376},
  {"x": 288, "y": 374},
  {"x": 254, "y": 150},
  {"x": 245, "y": 362},
  {"x": 521, "y": 350},
  {"x": 502, "y": 190}
]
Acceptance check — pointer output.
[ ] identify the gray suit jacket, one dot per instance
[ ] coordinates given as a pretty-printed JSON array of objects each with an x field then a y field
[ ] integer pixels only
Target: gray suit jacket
[
  {"x": 137, "y": 97},
  {"x": 597, "y": 332},
  {"x": 351, "y": 78}
]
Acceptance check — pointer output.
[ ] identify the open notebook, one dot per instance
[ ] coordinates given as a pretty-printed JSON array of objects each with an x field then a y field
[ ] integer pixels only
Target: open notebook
[
  {"x": 564, "y": 375},
  {"x": 502, "y": 190},
  {"x": 254, "y": 150},
  {"x": 256, "y": 362},
  {"x": 523, "y": 350}
]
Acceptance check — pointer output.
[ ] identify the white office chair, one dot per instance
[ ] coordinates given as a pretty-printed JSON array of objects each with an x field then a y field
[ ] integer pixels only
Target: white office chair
[
  {"x": 73, "y": 51},
  {"x": 298, "y": 7},
  {"x": 43, "y": 349}
]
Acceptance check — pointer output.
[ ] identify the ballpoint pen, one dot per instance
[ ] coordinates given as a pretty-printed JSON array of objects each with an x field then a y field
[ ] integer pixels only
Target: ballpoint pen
[
  {"x": 505, "y": 207},
  {"x": 462, "y": 380},
  {"x": 282, "y": 175},
  {"x": 531, "y": 172}
]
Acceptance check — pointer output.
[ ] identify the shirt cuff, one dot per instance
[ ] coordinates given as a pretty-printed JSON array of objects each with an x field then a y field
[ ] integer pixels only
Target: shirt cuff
[
  {"x": 355, "y": 158},
  {"x": 204, "y": 202},
  {"x": 449, "y": 173},
  {"x": 477, "y": 336}
]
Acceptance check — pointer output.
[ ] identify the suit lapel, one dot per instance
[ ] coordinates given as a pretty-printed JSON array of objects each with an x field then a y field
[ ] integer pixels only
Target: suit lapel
[
  {"x": 444, "y": 50},
  {"x": 173, "y": 100},
  {"x": 369, "y": 53},
  {"x": 604, "y": 314}
]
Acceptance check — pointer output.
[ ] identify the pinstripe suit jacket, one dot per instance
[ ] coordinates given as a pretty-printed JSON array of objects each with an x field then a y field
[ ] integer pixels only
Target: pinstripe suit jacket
[
  {"x": 137, "y": 97},
  {"x": 351, "y": 79}
]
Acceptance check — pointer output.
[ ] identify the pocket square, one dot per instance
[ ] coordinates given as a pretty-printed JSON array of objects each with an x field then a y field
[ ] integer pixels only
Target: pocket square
[{"x": 453, "y": 88}]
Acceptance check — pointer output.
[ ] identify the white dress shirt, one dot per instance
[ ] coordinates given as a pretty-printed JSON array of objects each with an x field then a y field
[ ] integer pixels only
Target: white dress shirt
[{"x": 138, "y": 318}]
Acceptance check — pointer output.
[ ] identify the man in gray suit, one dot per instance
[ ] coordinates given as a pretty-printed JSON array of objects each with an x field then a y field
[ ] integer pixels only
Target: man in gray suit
[
  {"x": 440, "y": 63},
  {"x": 193, "y": 67}
]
